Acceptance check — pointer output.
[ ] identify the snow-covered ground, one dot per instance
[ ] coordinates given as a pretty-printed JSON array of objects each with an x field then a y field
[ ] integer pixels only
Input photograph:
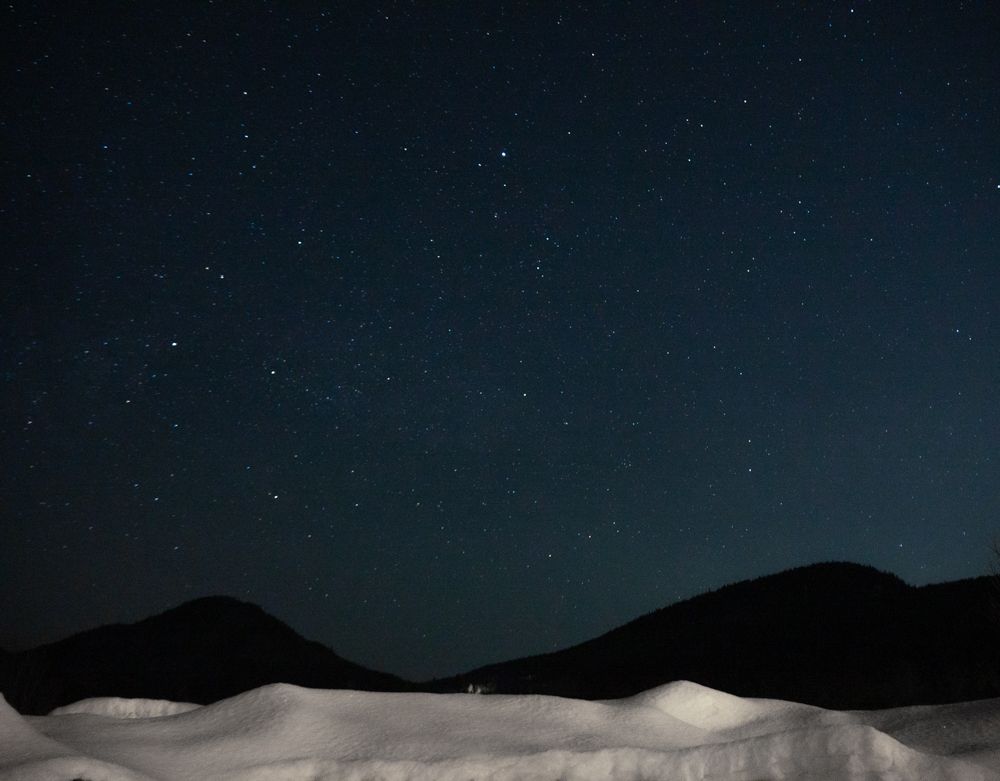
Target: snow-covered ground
[{"x": 672, "y": 733}]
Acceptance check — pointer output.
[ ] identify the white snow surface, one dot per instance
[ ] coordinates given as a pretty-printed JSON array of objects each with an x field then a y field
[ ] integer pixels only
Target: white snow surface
[{"x": 678, "y": 732}]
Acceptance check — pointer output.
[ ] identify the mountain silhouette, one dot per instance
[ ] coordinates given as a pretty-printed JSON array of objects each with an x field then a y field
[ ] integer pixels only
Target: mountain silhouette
[
  {"x": 837, "y": 635},
  {"x": 202, "y": 651}
]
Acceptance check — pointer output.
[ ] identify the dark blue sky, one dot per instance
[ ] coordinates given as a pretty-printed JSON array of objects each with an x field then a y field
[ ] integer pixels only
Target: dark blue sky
[{"x": 449, "y": 335}]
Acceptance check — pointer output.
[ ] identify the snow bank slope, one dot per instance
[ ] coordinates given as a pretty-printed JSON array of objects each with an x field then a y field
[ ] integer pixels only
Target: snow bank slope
[
  {"x": 680, "y": 731},
  {"x": 28, "y": 755}
]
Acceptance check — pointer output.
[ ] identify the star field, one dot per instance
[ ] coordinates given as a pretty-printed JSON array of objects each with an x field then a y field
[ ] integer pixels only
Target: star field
[{"x": 450, "y": 334}]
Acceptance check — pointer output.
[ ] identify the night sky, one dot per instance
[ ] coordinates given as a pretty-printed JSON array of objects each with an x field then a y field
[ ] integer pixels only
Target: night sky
[{"x": 454, "y": 332}]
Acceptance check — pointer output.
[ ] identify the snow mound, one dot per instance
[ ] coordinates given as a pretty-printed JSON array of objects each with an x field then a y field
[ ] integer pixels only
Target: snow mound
[
  {"x": 679, "y": 732},
  {"x": 121, "y": 708},
  {"x": 711, "y": 709}
]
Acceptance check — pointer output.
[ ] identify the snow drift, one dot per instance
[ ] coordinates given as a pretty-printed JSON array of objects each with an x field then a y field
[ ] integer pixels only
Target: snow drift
[{"x": 679, "y": 731}]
